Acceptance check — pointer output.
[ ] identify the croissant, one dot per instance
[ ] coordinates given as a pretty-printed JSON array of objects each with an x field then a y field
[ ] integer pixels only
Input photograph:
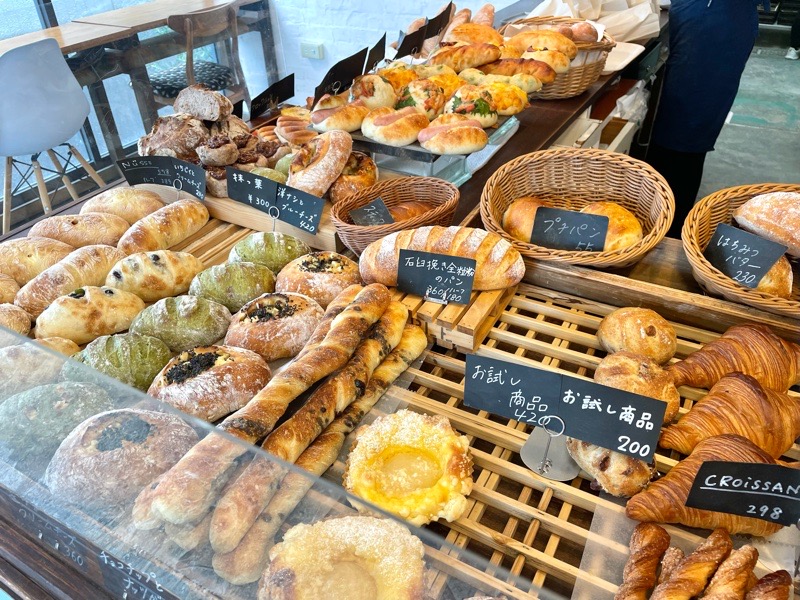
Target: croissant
[
  {"x": 648, "y": 543},
  {"x": 774, "y": 586},
  {"x": 750, "y": 349},
  {"x": 729, "y": 407},
  {"x": 664, "y": 501},
  {"x": 691, "y": 575},
  {"x": 730, "y": 580}
]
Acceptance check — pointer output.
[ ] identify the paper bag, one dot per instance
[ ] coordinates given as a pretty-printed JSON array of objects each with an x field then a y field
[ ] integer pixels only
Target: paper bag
[{"x": 638, "y": 22}]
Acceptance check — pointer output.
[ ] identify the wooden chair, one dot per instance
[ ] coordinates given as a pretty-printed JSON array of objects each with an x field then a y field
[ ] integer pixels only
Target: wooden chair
[
  {"x": 41, "y": 108},
  {"x": 197, "y": 29}
]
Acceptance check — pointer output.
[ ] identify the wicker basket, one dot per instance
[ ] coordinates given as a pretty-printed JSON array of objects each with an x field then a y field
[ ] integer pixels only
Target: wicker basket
[
  {"x": 571, "y": 178},
  {"x": 442, "y": 194},
  {"x": 584, "y": 69},
  {"x": 697, "y": 232}
]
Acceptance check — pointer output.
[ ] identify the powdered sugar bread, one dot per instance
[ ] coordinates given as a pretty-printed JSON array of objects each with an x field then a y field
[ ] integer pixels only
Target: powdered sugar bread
[
  {"x": 498, "y": 264},
  {"x": 275, "y": 325},
  {"x": 318, "y": 275},
  {"x": 774, "y": 216}
]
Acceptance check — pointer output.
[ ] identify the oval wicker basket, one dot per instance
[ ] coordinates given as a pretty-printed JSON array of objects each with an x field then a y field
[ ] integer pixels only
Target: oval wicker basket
[
  {"x": 442, "y": 194},
  {"x": 697, "y": 232},
  {"x": 584, "y": 69},
  {"x": 571, "y": 178}
]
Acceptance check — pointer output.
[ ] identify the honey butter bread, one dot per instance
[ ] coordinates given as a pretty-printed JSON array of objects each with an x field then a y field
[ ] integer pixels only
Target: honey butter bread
[
  {"x": 127, "y": 203},
  {"x": 498, "y": 264},
  {"x": 107, "y": 460},
  {"x": 183, "y": 322},
  {"x": 85, "y": 266},
  {"x": 87, "y": 313},
  {"x": 233, "y": 284},
  {"x": 210, "y": 382},
  {"x": 82, "y": 230},
  {"x": 25, "y": 258},
  {"x": 155, "y": 275},
  {"x": 130, "y": 358},
  {"x": 165, "y": 227}
]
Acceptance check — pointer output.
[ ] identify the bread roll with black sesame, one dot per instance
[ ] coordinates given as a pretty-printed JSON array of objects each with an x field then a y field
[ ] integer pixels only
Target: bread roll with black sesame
[
  {"x": 318, "y": 275},
  {"x": 211, "y": 382}
]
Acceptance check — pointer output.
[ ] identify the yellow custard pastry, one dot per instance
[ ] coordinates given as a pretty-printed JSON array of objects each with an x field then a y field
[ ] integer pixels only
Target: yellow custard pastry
[{"x": 411, "y": 465}]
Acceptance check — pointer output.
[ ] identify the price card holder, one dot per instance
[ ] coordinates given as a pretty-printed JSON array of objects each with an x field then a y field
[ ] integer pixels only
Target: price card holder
[
  {"x": 436, "y": 277},
  {"x": 742, "y": 256},
  {"x": 411, "y": 43},
  {"x": 767, "y": 492},
  {"x": 278, "y": 92},
  {"x": 374, "y": 213},
  {"x": 341, "y": 75},
  {"x": 123, "y": 581},
  {"x": 165, "y": 170},
  {"x": 569, "y": 230},
  {"x": 611, "y": 418},
  {"x": 376, "y": 54}
]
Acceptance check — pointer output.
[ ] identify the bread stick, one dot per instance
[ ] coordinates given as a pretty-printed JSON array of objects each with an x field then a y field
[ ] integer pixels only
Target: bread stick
[{"x": 648, "y": 544}]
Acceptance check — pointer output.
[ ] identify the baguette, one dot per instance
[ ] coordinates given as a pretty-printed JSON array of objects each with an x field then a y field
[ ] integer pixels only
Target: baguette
[
  {"x": 165, "y": 227},
  {"x": 82, "y": 230},
  {"x": 186, "y": 493},
  {"x": 239, "y": 508},
  {"x": 85, "y": 266},
  {"x": 246, "y": 563},
  {"x": 25, "y": 258},
  {"x": 498, "y": 264}
]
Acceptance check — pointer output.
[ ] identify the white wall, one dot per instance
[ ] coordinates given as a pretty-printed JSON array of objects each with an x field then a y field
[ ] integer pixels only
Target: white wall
[{"x": 343, "y": 27}]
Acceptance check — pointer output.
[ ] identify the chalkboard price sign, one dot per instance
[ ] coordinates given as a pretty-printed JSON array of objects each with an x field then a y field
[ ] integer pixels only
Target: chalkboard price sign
[
  {"x": 278, "y": 92},
  {"x": 436, "y": 277},
  {"x": 123, "y": 581},
  {"x": 561, "y": 229},
  {"x": 279, "y": 201},
  {"x": 742, "y": 256},
  {"x": 341, "y": 75},
  {"x": 376, "y": 54},
  {"x": 766, "y": 492},
  {"x": 374, "y": 213},
  {"x": 167, "y": 171}
]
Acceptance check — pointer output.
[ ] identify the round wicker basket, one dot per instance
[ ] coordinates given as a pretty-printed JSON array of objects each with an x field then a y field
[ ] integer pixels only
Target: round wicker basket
[
  {"x": 438, "y": 192},
  {"x": 584, "y": 69},
  {"x": 571, "y": 178},
  {"x": 697, "y": 232}
]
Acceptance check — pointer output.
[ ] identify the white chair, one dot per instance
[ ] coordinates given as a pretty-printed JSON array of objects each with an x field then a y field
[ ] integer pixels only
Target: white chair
[{"x": 42, "y": 106}]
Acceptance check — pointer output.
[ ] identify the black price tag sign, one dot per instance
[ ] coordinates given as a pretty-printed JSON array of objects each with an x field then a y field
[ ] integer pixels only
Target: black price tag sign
[
  {"x": 437, "y": 277},
  {"x": 238, "y": 109},
  {"x": 376, "y": 54},
  {"x": 439, "y": 22},
  {"x": 411, "y": 43},
  {"x": 594, "y": 413},
  {"x": 569, "y": 230},
  {"x": 374, "y": 213},
  {"x": 123, "y": 581},
  {"x": 50, "y": 533},
  {"x": 611, "y": 418},
  {"x": 341, "y": 75},
  {"x": 766, "y": 492},
  {"x": 742, "y": 256},
  {"x": 279, "y": 201},
  {"x": 511, "y": 390},
  {"x": 278, "y": 92},
  {"x": 165, "y": 170}
]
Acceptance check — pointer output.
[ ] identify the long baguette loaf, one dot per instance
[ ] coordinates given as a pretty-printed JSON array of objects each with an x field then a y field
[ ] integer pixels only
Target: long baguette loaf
[
  {"x": 246, "y": 563},
  {"x": 498, "y": 264},
  {"x": 165, "y": 227},
  {"x": 85, "y": 266},
  {"x": 238, "y": 509},
  {"x": 185, "y": 493}
]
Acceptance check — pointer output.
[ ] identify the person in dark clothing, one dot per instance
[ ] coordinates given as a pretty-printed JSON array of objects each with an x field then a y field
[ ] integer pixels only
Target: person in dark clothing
[
  {"x": 794, "y": 39},
  {"x": 709, "y": 44}
]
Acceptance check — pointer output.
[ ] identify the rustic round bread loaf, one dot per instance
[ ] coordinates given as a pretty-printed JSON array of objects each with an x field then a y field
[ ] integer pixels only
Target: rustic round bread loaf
[
  {"x": 274, "y": 250},
  {"x": 211, "y": 382},
  {"x": 14, "y": 318},
  {"x": 275, "y": 325},
  {"x": 638, "y": 330},
  {"x": 104, "y": 463},
  {"x": 318, "y": 275}
]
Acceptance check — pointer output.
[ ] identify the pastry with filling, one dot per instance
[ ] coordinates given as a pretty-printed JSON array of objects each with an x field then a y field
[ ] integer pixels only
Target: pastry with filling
[
  {"x": 412, "y": 465},
  {"x": 358, "y": 558},
  {"x": 274, "y": 325},
  {"x": 211, "y": 382},
  {"x": 318, "y": 275}
]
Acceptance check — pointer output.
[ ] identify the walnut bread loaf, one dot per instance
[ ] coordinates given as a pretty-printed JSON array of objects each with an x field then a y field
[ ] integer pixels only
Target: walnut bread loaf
[{"x": 498, "y": 264}]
